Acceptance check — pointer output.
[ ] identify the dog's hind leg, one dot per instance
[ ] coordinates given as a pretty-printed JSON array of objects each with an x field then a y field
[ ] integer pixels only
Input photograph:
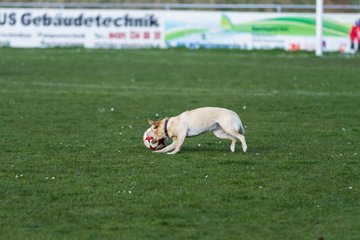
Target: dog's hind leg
[
  {"x": 234, "y": 133},
  {"x": 223, "y": 135},
  {"x": 242, "y": 140}
]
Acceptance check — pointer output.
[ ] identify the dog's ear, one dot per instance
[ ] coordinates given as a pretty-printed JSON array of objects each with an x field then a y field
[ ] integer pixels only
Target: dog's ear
[{"x": 154, "y": 123}]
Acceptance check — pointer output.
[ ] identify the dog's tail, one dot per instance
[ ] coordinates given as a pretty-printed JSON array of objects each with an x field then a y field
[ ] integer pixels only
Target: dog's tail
[{"x": 241, "y": 129}]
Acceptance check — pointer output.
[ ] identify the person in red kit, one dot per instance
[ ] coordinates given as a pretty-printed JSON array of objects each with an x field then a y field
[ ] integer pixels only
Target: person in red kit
[{"x": 355, "y": 34}]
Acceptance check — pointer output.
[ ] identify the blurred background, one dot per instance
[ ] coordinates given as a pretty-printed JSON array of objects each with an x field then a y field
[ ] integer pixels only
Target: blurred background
[{"x": 201, "y": 1}]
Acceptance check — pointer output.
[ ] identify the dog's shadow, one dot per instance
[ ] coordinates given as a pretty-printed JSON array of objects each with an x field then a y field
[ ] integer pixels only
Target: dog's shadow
[
  {"x": 220, "y": 149},
  {"x": 226, "y": 157}
]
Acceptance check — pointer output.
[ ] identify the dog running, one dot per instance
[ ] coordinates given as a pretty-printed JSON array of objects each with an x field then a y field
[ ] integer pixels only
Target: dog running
[{"x": 224, "y": 123}]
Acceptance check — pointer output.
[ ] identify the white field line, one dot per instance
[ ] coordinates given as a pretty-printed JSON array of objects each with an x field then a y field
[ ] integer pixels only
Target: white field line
[{"x": 128, "y": 89}]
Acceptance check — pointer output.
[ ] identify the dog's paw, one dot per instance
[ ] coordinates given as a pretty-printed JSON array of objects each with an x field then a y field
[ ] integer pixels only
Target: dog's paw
[
  {"x": 172, "y": 153},
  {"x": 244, "y": 148}
]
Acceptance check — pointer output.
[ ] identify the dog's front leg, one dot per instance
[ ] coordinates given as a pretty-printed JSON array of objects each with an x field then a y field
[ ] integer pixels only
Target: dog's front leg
[
  {"x": 167, "y": 148},
  {"x": 178, "y": 143}
]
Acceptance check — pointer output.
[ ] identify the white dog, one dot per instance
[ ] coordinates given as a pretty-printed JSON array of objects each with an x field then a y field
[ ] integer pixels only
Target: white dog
[{"x": 224, "y": 123}]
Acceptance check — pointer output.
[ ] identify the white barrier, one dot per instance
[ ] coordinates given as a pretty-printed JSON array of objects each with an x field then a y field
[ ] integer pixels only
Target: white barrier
[{"x": 103, "y": 28}]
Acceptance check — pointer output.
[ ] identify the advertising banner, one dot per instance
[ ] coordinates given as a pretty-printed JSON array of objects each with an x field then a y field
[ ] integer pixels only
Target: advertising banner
[
  {"x": 80, "y": 28},
  {"x": 102, "y": 28},
  {"x": 289, "y": 31}
]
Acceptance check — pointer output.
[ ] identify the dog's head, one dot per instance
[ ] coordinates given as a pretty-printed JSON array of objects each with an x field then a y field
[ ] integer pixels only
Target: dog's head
[{"x": 158, "y": 129}]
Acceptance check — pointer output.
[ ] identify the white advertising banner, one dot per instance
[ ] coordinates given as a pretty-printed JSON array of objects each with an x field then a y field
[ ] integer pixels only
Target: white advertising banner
[
  {"x": 80, "y": 28},
  {"x": 102, "y": 28},
  {"x": 248, "y": 30}
]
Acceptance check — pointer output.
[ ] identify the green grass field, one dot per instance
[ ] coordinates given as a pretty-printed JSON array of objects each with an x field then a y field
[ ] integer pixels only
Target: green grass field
[{"x": 73, "y": 165}]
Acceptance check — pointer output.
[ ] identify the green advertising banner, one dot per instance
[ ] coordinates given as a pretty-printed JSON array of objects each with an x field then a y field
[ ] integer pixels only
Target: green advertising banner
[{"x": 295, "y": 31}]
